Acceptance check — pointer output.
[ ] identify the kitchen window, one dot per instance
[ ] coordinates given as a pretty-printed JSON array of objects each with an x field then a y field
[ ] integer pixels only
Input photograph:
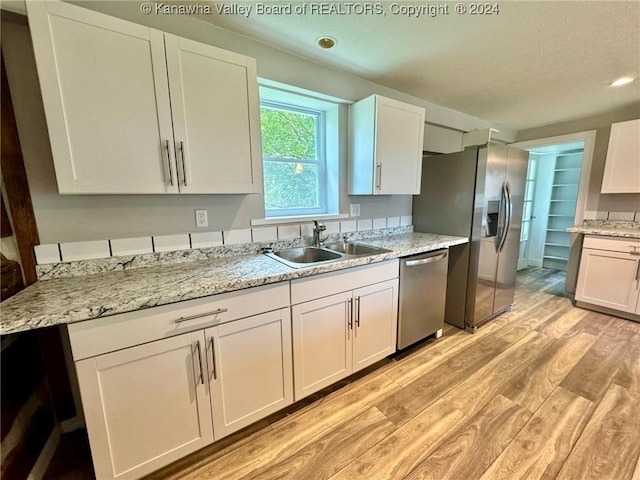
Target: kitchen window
[{"x": 299, "y": 148}]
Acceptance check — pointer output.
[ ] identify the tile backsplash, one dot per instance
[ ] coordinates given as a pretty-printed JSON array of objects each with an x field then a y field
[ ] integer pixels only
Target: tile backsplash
[
  {"x": 620, "y": 216},
  {"x": 74, "y": 251}
]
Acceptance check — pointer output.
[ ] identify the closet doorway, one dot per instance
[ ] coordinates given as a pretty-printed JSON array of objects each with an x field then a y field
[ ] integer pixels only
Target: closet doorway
[
  {"x": 555, "y": 198},
  {"x": 551, "y": 195}
]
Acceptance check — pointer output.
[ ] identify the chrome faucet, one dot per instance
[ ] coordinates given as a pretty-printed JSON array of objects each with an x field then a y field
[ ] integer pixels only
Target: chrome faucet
[{"x": 318, "y": 228}]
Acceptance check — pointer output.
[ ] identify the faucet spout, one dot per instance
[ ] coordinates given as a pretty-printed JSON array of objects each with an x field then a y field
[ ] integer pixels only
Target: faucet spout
[{"x": 318, "y": 228}]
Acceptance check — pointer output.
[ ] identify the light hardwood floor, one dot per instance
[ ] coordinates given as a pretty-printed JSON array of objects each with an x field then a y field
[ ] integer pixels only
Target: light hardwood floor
[{"x": 546, "y": 391}]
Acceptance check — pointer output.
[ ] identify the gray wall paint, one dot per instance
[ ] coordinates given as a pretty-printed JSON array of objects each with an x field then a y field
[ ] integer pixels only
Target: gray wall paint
[
  {"x": 66, "y": 218},
  {"x": 602, "y": 125}
]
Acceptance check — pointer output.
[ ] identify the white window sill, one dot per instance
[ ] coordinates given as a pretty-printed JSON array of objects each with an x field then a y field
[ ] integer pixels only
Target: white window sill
[{"x": 299, "y": 219}]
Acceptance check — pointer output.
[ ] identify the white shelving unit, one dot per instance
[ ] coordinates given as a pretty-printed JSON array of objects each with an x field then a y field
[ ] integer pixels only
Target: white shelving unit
[{"x": 562, "y": 205}]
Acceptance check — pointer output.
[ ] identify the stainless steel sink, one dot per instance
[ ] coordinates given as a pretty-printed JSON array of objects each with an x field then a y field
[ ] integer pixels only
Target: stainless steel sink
[
  {"x": 307, "y": 256},
  {"x": 355, "y": 249}
]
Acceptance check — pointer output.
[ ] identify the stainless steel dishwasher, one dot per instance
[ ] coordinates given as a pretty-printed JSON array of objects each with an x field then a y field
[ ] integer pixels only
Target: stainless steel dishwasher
[{"x": 423, "y": 289}]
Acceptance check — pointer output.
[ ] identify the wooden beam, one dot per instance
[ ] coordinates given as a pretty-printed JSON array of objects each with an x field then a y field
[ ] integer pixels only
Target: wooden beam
[
  {"x": 16, "y": 186},
  {"x": 5, "y": 225}
]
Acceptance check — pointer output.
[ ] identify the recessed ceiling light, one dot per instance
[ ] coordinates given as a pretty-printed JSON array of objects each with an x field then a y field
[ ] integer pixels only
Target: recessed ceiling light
[
  {"x": 326, "y": 42},
  {"x": 622, "y": 81}
]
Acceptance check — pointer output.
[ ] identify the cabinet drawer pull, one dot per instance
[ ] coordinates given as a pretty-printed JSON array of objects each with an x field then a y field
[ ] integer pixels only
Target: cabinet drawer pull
[
  {"x": 350, "y": 313},
  {"x": 200, "y": 315},
  {"x": 166, "y": 144},
  {"x": 200, "y": 361},
  {"x": 379, "y": 175},
  {"x": 357, "y": 311},
  {"x": 213, "y": 359}
]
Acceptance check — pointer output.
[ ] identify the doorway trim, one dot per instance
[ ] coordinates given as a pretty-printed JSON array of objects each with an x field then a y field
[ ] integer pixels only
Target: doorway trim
[{"x": 589, "y": 139}]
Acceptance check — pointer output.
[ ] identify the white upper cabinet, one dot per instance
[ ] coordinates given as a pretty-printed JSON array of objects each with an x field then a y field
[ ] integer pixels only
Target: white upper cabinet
[
  {"x": 105, "y": 100},
  {"x": 622, "y": 167},
  {"x": 105, "y": 87},
  {"x": 216, "y": 119},
  {"x": 386, "y": 147}
]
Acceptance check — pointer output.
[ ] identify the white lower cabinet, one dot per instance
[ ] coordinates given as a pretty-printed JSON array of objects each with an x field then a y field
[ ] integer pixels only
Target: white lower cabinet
[
  {"x": 161, "y": 383},
  {"x": 150, "y": 404},
  {"x": 609, "y": 274},
  {"x": 337, "y": 335},
  {"x": 375, "y": 323},
  {"x": 322, "y": 350},
  {"x": 250, "y": 369},
  {"x": 145, "y": 406}
]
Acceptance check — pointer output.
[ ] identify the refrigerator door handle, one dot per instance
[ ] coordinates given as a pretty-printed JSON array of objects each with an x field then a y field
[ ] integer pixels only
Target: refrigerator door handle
[
  {"x": 502, "y": 214},
  {"x": 508, "y": 214}
]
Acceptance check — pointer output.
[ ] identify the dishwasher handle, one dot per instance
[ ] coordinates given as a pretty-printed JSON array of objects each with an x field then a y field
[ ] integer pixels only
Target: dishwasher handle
[{"x": 423, "y": 261}]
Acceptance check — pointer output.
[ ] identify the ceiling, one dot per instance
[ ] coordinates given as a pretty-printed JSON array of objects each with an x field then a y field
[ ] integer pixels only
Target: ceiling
[{"x": 532, "y": 64}]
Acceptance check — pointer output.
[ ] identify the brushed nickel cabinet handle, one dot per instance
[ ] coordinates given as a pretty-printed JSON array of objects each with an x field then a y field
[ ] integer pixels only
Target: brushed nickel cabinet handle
[
  {"x": 379, "y": 176},
  {"x": 200, "y": 315},
  {"x": 350, "y": 313},
  {"x": 166, "y": 144},
  {"x": 358, "y": 311},
  {"x": 184, "y": 170},
  {"x": 638, "y": 275},
  {"x": 213, "y": 359},
  {"x": 200, "y": 361}
]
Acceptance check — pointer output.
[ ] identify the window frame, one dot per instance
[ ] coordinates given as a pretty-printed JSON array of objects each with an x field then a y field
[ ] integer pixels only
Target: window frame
[{"x": 320, "y": 162}]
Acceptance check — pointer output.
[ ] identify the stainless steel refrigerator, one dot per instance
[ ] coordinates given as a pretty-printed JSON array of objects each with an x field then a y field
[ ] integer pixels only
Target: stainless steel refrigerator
[{"x": 477, "y": 193}]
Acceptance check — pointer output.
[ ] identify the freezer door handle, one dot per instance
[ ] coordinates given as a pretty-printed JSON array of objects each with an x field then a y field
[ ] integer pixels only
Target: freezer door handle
[
  {"x": 423, "y": 261},
  {"x": 508, "y": 215}
]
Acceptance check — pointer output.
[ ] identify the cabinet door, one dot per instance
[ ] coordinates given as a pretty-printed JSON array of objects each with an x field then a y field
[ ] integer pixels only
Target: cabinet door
[
  {"x": 322, "y": 333},
  {"x": 146, "y": 406},
  {"x": 214, "y": 100},
  {"x": 106, "y": 100},
  {"x": 250, "y": 369},
  {"x": 398, "y": 151},
  {"x": 376, "y": 321},
  {"x": 608, "y": 279},
  {"x": 622, "y": 167}
]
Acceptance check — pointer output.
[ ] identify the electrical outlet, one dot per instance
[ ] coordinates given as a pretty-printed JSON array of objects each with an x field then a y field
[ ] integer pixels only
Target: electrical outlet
[
  {"x": 201, "y": 219},
  {"x": 354, "y": 210}
]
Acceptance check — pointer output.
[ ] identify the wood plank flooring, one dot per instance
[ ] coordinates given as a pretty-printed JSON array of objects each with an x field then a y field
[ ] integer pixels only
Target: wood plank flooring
[{"x": 545, "y": 391}]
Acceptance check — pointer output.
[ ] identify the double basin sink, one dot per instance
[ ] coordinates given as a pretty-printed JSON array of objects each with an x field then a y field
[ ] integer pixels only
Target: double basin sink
[{"x": 307, "y": 256}]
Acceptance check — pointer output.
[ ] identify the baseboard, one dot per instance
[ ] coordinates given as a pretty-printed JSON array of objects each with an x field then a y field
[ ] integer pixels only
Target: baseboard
[
  {"x": 608, "y": 311},
  {"x": 47, "y": 453}
]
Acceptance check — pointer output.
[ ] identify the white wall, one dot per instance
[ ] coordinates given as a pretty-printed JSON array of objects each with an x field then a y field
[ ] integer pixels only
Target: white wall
[
  {"x": 64, "y": 218},
  {"x": 602, "y": 124}
]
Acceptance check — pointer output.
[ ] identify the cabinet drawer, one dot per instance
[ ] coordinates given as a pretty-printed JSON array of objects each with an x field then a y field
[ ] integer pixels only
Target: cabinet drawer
[
  {"x": 318, "y": 286},
  {"x": 623, "y": 245},
  {"x": 107, "y": 334}
]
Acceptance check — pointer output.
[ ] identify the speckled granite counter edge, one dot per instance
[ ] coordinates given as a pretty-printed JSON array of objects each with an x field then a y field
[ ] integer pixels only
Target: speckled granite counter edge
[
  {"x": 609, "y": 228},
  {"x": 21, "y": 315}
]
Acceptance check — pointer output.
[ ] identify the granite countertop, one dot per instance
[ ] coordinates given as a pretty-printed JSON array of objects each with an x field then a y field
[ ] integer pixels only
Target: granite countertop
[
  {"x": 66, "y": 300},
  {"x": 609, "y": 228}
]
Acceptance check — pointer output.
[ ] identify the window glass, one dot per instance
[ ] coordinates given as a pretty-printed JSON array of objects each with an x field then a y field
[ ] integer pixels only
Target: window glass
[{"x": 293, "y": 160}]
